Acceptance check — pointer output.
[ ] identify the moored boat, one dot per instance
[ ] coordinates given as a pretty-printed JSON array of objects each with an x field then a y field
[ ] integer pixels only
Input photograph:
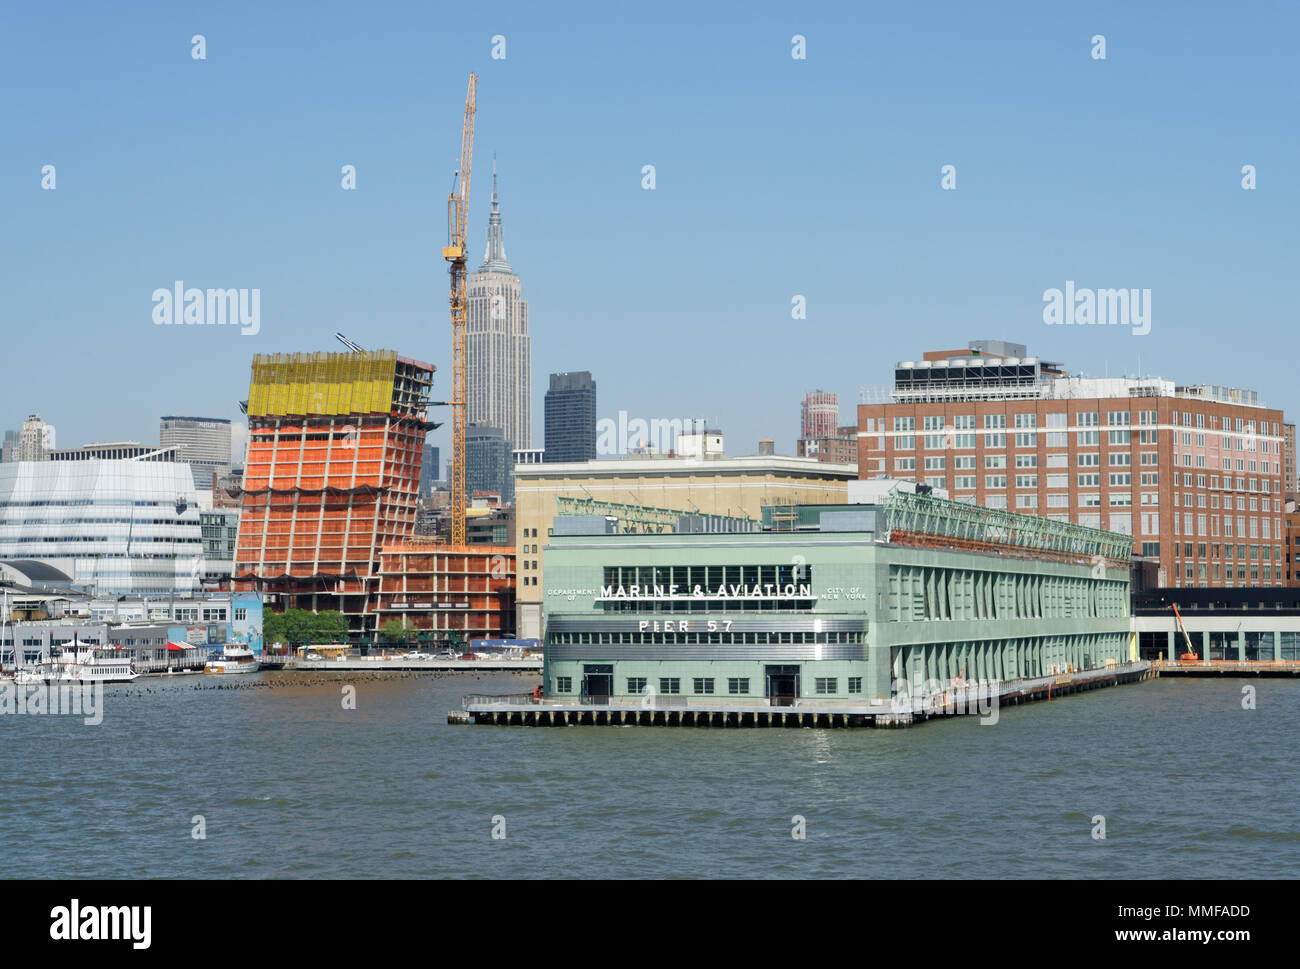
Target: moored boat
[{"x": 232, "y": 659}]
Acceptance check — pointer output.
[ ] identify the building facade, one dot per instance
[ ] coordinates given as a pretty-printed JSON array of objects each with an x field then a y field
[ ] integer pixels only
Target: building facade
[
  {"x": 449, "y": 592},
  {"x": 117, "y": 451},
  {"x": 570, "y": 414},
  {"x": 114, "y": 527},
  {"x": 335, "y": 445},
  {"x": 204, "y": 442},
  {"x": 1193, "y": 473},
  {"x": 220, "y": 529},
  {"x": 498, "y": 347},
  {"x": 860, "y": 603},
  {"x": 655, "y": 490},
  {"x": 430, "y": 470}
]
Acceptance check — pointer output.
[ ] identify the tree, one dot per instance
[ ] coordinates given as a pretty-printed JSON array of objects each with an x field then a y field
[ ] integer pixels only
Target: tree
[
  {"x": 327, "y": 627},
  {"x": 393, "y": 631},
  {"x": 299, "y": 627}
]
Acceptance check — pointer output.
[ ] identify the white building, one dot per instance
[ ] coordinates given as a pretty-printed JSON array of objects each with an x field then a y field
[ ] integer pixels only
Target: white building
[
  {"x": 498, "y": 349},
  {"x": 114, "y": 527}
]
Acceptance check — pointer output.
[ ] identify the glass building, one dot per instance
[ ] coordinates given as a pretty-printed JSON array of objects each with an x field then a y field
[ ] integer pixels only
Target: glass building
[{"x": 571, "y": 418}]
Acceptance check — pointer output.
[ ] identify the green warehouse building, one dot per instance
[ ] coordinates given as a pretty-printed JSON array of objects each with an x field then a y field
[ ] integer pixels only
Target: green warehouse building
[{"x": 828, "y": 606}]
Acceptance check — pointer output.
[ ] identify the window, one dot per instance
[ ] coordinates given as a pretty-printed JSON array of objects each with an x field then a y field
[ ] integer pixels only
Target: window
[
  {"x": 703, "y": 685},
  {"x": 934, "y": 464},
  {"x": 995, "y": 461},
  {"x": 826, "y": 685},
  {"x": 1091, "y": 460},
  {"x": 670, "y": 684},
  {"x": 738, "y": 685},
  {"x": 855, "y": 684},
  {"x": 635, "y": 684},
  {"x": 995, "y": 482},
  {"x": 564, "y": 684},
  {"x": 1026, "y": 481}
]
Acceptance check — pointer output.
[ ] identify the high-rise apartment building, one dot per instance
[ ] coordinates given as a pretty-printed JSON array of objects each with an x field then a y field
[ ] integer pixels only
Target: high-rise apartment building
[
  {"x": 819, "y": 416},
  {"x": 498, "y": 349},
  {"x": 35, "y": 440},
  {"x": 335, "y": 446},
  {"x": 570, "y": 414},
  {"x": 202, "y": 442},
  {"x": 1193, "y": 472}
]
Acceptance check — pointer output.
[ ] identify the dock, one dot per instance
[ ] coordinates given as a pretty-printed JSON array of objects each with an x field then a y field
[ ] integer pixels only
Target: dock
[
  {"x": 1228, "y": 667},
  {"x": 396, "y": 664},
  {"x": 691, "y": 711}
]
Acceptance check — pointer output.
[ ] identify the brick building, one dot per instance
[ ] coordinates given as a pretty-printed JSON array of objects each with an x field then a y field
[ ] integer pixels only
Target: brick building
[{"x": 1193, "y": 473}]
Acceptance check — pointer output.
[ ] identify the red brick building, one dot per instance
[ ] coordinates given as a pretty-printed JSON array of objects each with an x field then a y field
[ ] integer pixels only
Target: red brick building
[{"x": 1193, "y": 473}]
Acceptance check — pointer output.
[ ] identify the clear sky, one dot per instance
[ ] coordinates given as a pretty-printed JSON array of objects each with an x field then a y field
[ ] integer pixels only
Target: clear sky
[{"x": 775, "y": 177}]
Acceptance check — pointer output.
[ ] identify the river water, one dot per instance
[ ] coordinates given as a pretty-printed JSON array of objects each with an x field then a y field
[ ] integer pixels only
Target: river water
[{"x": 289, "y": 783}]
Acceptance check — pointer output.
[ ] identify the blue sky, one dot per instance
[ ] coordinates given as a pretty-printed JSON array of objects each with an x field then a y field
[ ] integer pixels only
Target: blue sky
[{"x": 774, "y": 177}]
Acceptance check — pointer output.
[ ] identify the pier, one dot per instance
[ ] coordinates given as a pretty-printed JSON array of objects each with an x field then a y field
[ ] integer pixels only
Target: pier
[{"x": 690, "y": 711}]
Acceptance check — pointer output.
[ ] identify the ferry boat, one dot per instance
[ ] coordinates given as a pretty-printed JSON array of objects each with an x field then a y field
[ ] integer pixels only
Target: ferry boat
[
  {"x": 232, "y": 659},
  {"x": 79, "y": 664}
]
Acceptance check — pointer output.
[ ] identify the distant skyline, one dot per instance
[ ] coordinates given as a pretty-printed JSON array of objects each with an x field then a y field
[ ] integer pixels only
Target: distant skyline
[{"x": 778, "y": 183}]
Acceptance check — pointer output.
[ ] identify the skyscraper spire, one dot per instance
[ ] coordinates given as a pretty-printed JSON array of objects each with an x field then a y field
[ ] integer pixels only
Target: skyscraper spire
[{"x": 494, "y": 260}]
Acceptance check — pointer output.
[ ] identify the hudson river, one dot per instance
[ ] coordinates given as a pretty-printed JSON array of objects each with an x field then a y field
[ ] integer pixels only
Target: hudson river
[{"x": 291, "y": 784}]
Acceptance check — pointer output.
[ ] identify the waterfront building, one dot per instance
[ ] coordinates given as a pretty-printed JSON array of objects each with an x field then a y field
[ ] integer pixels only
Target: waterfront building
[
  {"x": 498, "y": 348},
  {"x": 10, "y": 451},
  {"x": 446, "y": 591},
  {"x": 116, "y": 527},
  {"x": 650, "y": 492},
  {"x": 488, "y": 464},
  {"x": 1192, "y": 472},
  {"x": 204, "y": 442},
  {"x": 830, "y": 604},
  {"x": 570, "y": 414},
  {"x": 332, "y": 475},
  {"x": 140, "y": 627}
]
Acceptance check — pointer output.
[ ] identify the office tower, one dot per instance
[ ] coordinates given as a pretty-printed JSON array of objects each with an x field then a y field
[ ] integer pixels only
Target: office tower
[
  {"x": 430, "y": 470},
  {"x": 570, "y": 416},
  {"x": 498, "y": 349},
  {"x": 489, "y": 463},
  {"x": 202, "y": 442}
]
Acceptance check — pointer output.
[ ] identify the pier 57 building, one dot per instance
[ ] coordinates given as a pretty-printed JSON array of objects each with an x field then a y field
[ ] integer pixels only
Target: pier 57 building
[{"x": 829, "y": 604}]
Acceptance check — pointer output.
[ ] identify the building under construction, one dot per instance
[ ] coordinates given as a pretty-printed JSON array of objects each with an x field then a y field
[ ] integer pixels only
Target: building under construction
[
  {"x": 466, "y": 593},
  {"x": 332, "y": 475}
]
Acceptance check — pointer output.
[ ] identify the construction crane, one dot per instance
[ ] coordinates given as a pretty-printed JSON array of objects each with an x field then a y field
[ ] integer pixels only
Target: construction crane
[
  {"x": 348, "y": 343},
  {"x": 1190, "y": 656},
  {"x": 454, "y": 253}
]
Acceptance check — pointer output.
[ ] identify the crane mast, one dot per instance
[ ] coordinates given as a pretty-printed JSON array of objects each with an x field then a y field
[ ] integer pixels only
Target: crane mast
[{"x": 454, "y": 253}]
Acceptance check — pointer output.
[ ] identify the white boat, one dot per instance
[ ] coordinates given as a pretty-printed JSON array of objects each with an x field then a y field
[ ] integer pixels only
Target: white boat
[
  {"x": 232, "y": 659},
  {"x": 80, "y": 664}
]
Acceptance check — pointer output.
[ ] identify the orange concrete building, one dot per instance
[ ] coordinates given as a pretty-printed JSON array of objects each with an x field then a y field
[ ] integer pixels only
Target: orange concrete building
[
  {"x": 332, "y": 475},
  {"x": 469, "y": 591}
]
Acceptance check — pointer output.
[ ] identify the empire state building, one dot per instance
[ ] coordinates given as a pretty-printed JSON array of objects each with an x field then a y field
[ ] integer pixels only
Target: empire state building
[{"x": 498, "y": 349}]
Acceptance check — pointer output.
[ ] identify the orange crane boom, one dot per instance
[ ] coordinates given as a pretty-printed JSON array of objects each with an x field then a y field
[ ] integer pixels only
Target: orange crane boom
[{"x": 454, "y": 253}]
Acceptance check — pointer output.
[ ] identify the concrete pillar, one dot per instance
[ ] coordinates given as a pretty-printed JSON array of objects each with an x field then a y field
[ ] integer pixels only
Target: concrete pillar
[
  {"x": 1205, "y": 645},
  {"x": 1241, "y": 646}
]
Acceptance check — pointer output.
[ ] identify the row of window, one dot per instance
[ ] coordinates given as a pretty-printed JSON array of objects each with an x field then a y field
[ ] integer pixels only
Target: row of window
[{"x": 706, "y": 685}]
